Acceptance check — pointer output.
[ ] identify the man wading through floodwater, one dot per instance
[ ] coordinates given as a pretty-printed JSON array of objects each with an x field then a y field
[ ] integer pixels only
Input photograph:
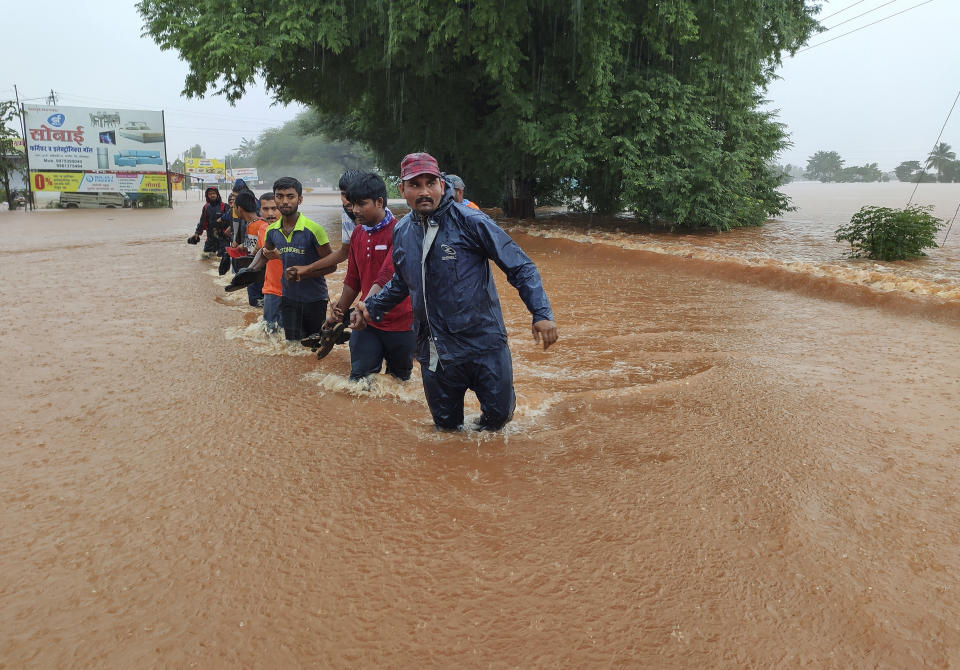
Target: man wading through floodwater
[
  {"x": 441, "y": 254},
  {"x": 300, "y": 243}
]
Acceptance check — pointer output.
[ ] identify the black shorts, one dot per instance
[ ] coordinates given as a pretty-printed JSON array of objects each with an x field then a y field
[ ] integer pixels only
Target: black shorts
[{"x": 301, "y": 319}]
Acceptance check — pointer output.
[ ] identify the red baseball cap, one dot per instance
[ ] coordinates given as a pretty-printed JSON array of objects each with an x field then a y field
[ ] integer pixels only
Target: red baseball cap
[{"x": 418, "y": 163}]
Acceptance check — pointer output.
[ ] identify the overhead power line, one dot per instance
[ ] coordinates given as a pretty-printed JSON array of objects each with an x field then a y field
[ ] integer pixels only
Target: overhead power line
[
  {"x": 854, "y": 18},
  {"x": 87, "y": 101},
  {"x": 820, "y": 44},
  {"x": 936, "y": 143},
  {"x": 841, "y": 11}
]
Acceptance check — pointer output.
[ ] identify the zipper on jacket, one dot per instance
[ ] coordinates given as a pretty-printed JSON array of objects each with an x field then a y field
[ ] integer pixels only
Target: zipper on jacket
[{"x": 430, "y": 229}]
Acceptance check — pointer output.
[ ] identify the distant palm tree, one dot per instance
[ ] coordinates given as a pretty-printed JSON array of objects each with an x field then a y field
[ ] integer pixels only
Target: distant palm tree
[{"x": 940, "y": 157}]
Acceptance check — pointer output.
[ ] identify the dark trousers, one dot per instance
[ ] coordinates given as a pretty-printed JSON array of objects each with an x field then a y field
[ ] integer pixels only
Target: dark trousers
[
  {"x": 489, "y": 376},
  {"x": 255, "y": 294},
  {"x": 301, "y": 319},
  {"x": 370, "y": 347}
]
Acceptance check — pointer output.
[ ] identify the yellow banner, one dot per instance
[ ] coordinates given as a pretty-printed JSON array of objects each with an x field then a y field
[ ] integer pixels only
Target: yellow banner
[
  {"x": 153, "y": 183},
  {"x": 205, "y": 165},
  {"x": 98, "y": 182},
  {"x": 56, "y": 181}
]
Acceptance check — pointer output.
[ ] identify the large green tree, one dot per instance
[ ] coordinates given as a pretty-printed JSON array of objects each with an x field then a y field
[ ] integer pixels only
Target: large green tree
[
  {"x": 11, "y": 147},
  {"x": 860, "y": 173},
  {"x": 940, "y": 157},
  {"x": 912, "y": 171},
  {"x": 950, "y": 172},
  {"x": 647, "y": 105},
  {"x": 824, "y": 166}
]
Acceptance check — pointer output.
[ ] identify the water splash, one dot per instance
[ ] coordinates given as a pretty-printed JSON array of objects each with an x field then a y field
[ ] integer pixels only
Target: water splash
[{"x": 261, "y": 341}]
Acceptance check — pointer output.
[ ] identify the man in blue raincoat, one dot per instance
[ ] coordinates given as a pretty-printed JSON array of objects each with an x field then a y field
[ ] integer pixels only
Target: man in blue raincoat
[{"x": 441, "y": 254}]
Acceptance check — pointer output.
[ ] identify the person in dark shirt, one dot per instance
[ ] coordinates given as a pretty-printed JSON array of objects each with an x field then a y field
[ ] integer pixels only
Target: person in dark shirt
[
  {"x": 215, "y": 220},
  {"x": 441, "y": 255}
]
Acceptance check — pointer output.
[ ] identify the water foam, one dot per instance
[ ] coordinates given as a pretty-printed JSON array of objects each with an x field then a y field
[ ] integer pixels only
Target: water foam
[
  {"x": 260, "y": 341},
  {"x": 875, "y": 276}
]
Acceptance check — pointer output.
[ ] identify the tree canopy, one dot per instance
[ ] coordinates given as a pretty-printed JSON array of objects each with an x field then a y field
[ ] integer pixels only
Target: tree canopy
[
  {"x": 940, "y": 158},
  {"x": 824, "y": 166},
  {"x": 639, "y": 104}
]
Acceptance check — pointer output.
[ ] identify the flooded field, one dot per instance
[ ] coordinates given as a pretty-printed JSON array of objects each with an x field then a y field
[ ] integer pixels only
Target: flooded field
[{"x": 742, "y": 452}]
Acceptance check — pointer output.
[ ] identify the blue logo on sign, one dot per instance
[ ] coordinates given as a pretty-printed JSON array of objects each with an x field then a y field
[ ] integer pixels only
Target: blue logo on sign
[{"x": 56, "y": 120}]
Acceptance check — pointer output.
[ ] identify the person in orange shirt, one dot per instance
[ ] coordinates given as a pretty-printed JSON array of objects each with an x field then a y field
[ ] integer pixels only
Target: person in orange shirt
[
  {"x": 458, "y": 189},
  {"x": 272, "y": 277}
]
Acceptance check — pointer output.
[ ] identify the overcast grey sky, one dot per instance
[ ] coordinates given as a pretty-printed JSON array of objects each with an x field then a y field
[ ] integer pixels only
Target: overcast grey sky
[
  {"x": 877, "y": 95},
  {"x": 92, "y": 55}
]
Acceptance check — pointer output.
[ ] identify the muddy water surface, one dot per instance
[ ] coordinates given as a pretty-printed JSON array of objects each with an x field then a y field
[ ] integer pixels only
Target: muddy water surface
[{"x": 705, "y": 471}]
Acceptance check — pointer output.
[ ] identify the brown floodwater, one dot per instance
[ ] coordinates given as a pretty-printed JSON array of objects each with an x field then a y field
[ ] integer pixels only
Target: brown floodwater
[{"x": 724, "y": 462}]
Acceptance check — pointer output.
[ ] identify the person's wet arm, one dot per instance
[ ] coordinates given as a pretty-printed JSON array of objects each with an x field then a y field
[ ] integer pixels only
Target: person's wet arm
[
  {"x": 521, "y": 272},
  {"x": 270, "y": 251},
  {"x": 391, "y": 295},
  {"x": 523, "y": 275},
  {"x": 334, "y": 259},
  {"x": 351, "y": 288},
  {"x": 315, "y": 269}
]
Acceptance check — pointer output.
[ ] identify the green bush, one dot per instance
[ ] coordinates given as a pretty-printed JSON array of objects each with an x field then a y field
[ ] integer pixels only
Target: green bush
[{"x": 887, "y": 234}]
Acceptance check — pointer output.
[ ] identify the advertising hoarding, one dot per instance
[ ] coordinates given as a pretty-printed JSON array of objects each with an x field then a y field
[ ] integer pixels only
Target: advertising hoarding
[
  {"x": 246, "y": 174},
  {"x": 95, "y": 182},
  {"x": 91, "y": 149},
  {"x": 92, "y": 139},
  {"x": 209, "y": 170}
]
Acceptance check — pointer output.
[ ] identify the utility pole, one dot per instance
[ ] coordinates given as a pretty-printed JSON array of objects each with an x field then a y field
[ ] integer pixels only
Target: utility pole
[{"x": 52, "y": 98}]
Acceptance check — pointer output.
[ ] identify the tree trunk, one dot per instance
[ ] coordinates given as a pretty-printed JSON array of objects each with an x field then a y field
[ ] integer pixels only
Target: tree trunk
[
  {"x": 518, "y": 202},
  {"x": 5, "y": 180}
]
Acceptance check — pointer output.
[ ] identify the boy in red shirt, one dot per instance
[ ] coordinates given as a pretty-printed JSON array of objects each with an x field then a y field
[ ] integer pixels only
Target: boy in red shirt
[{"x": 369, "y": 268}]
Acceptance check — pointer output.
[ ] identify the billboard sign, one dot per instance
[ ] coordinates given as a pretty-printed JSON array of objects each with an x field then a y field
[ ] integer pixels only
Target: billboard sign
[
  {"x": 246, "y": 174},
  {"x": 95, "y": 182},
  {"x": 93, "y": 139},
  {"x": 91, "y": 149},
  {"x": 208, "y": 170}
]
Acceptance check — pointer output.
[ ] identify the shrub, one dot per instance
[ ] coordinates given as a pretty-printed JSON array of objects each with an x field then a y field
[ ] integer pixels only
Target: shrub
[{"x": 887, "y": 234}]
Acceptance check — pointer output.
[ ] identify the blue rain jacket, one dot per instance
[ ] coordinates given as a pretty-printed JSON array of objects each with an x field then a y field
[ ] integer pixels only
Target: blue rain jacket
[{"x": 457, "y": 305}]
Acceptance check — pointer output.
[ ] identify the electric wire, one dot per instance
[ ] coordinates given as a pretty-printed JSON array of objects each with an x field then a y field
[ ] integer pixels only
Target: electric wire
[
  {"x": 820, "y": 44},
  {"x": 178, "y": 110},
  {"x": 840, "y": 11},
  {"x": 935, "y": 145},
  {"x": 854, "y": 18},
  {"x": 950, "y": 227}
]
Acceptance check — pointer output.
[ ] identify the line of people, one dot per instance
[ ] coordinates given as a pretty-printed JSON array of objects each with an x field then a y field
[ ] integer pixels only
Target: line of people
[{"x": 419, "y": 287}]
